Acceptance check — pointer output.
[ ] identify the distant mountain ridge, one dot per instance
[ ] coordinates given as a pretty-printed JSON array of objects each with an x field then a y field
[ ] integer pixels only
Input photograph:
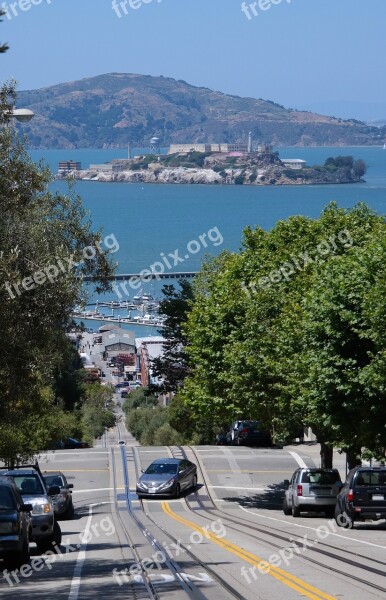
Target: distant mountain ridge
[{"x": 114, "y": 109}]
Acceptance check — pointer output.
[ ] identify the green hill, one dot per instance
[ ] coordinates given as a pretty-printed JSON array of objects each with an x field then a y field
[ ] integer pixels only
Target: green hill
[{"x": 114, "y": 109}]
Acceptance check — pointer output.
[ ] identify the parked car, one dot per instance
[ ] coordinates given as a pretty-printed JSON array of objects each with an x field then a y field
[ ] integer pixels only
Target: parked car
[
  {"x": 221, "y": 439},
  {"x": 31, "y": 485},
  {"x": 167, "y": 477},
  {"x": 312, "y": 489},
  {"x": 248, "y": 433},
  {"x": 15, "y": 525},
  {"x": 133, "y": 385},
  {"x": 73, "y": 444},
  {"x": 62, "y": 502},
  {"x": 362, "y": 497}
]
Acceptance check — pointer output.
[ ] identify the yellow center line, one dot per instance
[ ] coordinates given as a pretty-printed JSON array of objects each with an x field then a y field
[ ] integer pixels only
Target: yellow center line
[{"x": 287, "y": 578}]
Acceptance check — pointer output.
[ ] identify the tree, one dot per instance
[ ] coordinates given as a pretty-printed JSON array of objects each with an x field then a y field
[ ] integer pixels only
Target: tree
[
  {"x": 172, "y": 366},
  {"x": 45, "y": 242},
  {"x": 3, "y": 47},
  {"x": 359, "y": 168},
  {"x": 252, "y": 344}
]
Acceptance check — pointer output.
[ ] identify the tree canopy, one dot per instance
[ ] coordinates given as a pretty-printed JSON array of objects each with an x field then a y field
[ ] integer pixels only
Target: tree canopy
[
  {"x": 291, "y": 331},
  {"x": 46, "y": 247}
]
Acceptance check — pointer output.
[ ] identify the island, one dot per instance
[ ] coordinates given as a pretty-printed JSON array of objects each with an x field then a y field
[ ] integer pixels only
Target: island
[{"x": 262, "y": 166}]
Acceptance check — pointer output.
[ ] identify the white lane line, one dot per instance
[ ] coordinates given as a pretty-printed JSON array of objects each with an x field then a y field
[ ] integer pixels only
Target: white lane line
[
  {"x": 333, "y": 524},
  {"x": 76, "y": 578},
  {"x": 238, "y": 487},
  {"x": 97, "y": 490},
  {"x": 299, "y": 460}
]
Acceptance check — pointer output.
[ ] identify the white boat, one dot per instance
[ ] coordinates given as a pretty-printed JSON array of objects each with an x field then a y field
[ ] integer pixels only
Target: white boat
[{"x": 384, "y": 146}]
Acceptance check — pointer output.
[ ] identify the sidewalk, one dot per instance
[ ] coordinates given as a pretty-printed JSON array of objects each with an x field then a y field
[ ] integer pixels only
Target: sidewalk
[{"x": 311, "y": 450}]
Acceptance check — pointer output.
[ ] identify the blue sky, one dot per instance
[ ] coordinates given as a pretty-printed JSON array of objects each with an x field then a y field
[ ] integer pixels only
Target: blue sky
[{"x": 316, "y": 54}]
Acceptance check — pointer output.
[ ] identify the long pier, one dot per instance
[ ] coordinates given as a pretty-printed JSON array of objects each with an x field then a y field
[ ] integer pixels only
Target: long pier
[{"x": 149, "y": 276}]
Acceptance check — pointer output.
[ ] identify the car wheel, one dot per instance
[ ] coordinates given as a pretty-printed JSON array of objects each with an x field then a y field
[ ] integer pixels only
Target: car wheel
[
  {"x": 286, "y": 509},
  {"x": 178, "y": 490},
  {"x": 342, "y": 519},
  {"x": 15, "y": 560},
  {"x": 295, "y": 511},
  {"x": 70, "y": 512}
]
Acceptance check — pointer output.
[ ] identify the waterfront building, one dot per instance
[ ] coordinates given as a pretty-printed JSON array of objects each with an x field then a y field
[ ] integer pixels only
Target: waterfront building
[{"x": 293, "y": 163}]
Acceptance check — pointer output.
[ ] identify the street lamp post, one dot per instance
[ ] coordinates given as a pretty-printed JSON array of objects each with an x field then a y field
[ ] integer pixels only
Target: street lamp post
[{"x": 21, "y": 114}]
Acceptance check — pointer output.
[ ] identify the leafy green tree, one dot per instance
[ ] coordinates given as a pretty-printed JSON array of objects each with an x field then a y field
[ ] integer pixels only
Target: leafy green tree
[
  {"x": 248, "y": 339},
  {"x": 173, "y": 366},
  {"x": 359, "y": 168},
  {"x": 3, "y": 47},
  {"x": 43, "y": 237}
]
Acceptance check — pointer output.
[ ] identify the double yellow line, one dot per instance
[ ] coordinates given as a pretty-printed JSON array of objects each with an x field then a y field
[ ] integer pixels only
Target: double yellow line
[{"x": 264, "y": 567}]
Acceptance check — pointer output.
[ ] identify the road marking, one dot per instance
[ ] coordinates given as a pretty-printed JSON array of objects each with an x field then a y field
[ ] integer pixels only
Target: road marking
[
  {"x": 244, "y": 471},
  {"x": 238, "y": 487},
  {"x": 339, "y": 535},
  {"x": 108, "y": 489},
  {"x": 77, "y": 470},
  {"x": 299, "y": 460},
  {"x": 280, "y": 574},
  {"x": 76, "y": 579}
]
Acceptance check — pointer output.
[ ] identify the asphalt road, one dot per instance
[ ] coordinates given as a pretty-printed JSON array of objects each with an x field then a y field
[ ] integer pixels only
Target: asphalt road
[{"x": 229, "y": 539}]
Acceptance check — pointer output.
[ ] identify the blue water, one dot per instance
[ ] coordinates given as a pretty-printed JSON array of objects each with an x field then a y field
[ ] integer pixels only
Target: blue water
[{"x": 148, "y": 220}]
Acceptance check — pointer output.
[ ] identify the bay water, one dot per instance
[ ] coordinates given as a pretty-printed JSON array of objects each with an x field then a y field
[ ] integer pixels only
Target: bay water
[{"x": 151, "y": 222}]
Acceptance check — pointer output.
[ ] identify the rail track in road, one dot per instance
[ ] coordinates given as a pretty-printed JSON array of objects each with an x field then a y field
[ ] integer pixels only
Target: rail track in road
[
  {"x": 274, "y": 536},
  {"x": 187, "y": 587},
  {"x": 231, "y": 590}
]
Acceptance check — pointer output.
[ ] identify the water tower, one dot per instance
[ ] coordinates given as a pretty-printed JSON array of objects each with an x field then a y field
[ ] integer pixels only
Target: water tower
[{"x": 154, "y": 146}]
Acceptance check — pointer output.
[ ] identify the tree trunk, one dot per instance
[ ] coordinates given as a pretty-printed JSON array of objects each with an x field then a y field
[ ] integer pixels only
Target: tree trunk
[
  {"x": 326, "y": 455},
  {"x": 353, "y": 458}
]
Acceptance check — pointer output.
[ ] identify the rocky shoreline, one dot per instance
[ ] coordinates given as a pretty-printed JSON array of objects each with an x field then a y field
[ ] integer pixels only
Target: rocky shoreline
[{"x": 272, "y": 175}]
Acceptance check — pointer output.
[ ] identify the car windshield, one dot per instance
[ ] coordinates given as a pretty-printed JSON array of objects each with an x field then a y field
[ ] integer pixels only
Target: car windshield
[
  {"x": 321, "y": 477},
  {"x": 54, "y": 480},
  {"x": 250, "y": 424},
  {"x": 6, "y": 499},
  {"x": 161, "y": 468},
  {"x": 28, "y": 484},
  {"x": 370, "y": 478}
]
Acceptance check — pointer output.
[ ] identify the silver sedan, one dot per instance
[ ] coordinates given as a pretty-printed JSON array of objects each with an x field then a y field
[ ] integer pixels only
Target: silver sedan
[{"x": 167, "y": 477}]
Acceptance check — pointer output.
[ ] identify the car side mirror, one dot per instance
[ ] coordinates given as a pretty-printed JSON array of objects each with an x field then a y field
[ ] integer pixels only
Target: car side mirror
[
  {"x": 26, "y": 508},
  {"x": 70, "y": 486},
  {"x": 54, "y": 490},
  {"x": 286, "y": 483}
]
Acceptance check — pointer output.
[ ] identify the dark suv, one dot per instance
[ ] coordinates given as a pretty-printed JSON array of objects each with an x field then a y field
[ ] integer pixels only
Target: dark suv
[
  {"x": 248, "y": 433},
  {"x": 362, "y": 497},
  {"x": 30, "y": 482},
  {"x": 15, "y": 525}
]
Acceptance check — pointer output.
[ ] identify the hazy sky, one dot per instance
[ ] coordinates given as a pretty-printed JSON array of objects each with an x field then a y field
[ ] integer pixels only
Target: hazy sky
[{"x": 323, "y": 54}]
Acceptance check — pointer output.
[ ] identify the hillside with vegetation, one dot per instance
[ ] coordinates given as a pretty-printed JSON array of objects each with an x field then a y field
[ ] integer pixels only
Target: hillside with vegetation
[{"x": 114, "y": 109}]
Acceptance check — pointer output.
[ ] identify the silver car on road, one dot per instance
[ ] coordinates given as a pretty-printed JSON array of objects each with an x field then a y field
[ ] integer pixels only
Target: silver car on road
[
  {"x": 167, "y": 477},
  {"x": 312, "y": 489}
]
